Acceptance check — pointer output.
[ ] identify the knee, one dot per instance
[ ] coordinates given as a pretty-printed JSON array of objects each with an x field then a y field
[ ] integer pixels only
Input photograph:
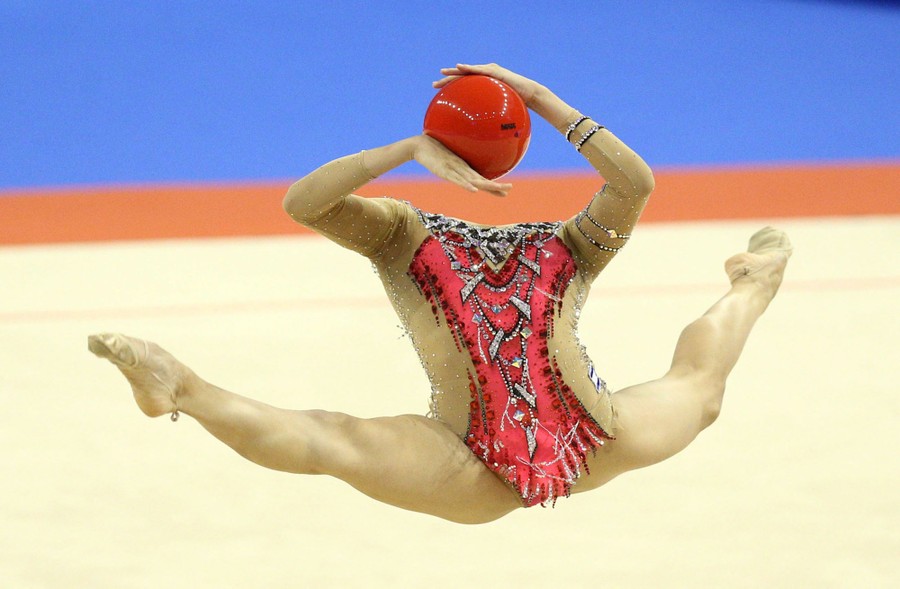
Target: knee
[
  {"x": 713, "y": 392},
  {"x": 707, "y": 392},
  {"x": 711, "y": 410}
]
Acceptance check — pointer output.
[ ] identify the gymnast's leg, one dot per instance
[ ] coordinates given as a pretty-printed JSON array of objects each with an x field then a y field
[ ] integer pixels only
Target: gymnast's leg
[
  {"x": 655, "y": 420},
  {"x": 408, "y": 461}
]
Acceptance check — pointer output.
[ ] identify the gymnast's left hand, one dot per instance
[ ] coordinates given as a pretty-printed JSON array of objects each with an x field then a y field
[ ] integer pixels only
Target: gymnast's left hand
[
  {"x": 443, "y": 163},
  {"x": 526, "y": 88}
]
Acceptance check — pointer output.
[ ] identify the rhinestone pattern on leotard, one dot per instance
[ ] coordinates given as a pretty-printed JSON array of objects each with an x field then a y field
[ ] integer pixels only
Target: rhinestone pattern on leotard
[{"x": 499, "y": 289}]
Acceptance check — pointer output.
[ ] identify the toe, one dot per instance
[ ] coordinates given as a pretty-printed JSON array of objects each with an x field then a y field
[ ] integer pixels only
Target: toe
[
  {"x": 770, "y": 239},
  {"x": 113, "y": 347}
]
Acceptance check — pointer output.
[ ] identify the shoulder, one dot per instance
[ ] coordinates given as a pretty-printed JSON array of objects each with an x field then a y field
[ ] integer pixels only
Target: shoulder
[
  {"x": 406, "y": 228},
  {"x": 588, "y": 262}
]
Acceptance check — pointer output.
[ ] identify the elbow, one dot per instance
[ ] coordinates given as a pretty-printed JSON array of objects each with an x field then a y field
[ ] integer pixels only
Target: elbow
[
  {"x": 307, "y": 201},
  {"x": 647, "y": 183},
  {"x": 636, "y": 186},
  {"x": 641, "y": 182},
  {"x": 295, "y": 202}
]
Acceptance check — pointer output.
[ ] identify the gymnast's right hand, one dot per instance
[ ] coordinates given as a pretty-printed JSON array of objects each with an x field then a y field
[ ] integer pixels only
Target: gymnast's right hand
[{"x": 443, "y": 163}]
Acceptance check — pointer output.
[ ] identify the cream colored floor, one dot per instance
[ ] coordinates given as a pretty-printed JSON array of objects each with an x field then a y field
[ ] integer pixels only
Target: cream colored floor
[{"x": 796, "y": 485}]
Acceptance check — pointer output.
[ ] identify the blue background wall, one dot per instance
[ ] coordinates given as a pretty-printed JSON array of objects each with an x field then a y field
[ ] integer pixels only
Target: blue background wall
[{"x": 136, "y": 92}]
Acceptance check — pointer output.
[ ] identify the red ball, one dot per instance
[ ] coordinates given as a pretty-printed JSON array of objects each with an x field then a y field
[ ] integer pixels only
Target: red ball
[{"x": 483, "y": 121}]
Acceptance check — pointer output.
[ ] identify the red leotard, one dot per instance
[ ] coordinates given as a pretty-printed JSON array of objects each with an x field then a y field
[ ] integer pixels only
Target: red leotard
[{"x": 500, "y": 292}]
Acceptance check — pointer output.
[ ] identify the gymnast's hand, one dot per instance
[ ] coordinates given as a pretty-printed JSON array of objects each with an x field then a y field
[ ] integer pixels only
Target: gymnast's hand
[
  {"x": 524, "y": 87},
  {"x": 443, "y": 163}
]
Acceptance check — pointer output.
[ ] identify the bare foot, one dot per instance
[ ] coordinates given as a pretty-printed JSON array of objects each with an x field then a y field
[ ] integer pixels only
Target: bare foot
[
  {"x": 764, "y": 261},
  {"x": 156, "y": 377}
]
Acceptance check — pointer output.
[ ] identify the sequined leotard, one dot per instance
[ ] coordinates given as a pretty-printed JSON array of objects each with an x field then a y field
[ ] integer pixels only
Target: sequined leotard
[
  {"x": 492, "y": 313},
  {"x": 501, "y": 292}
]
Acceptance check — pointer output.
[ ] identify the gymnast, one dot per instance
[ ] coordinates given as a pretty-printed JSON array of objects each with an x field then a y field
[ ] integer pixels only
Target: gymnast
[{"x": 520, "y": 416}]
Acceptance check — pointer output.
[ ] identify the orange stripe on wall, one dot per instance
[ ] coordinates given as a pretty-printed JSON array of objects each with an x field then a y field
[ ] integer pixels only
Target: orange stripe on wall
[{"x": 212, "y": 210}]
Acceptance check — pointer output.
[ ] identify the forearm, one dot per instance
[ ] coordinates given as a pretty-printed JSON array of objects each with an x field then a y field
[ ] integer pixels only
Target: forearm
[
  {"x": 324, "y": 189},
  {"x": 627, "y": 174},
  {"x": 551, "y": 107}
]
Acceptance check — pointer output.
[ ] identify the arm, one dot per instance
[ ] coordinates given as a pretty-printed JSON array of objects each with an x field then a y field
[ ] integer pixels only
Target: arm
[
  {"x": 596, "y": 231},
  {"x": 604, "y": 226},
  {"x": 324, "y": 201}
]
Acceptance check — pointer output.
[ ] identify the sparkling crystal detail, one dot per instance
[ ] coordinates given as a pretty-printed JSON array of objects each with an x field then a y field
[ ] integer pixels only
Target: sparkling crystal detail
[
  {"x": 469, "y": 288},
  {"x": 532, "y": 441},
  {"x": 522, "y": 306},
  {"x": 529, "y": 396},
  {"x": 495, "y": 345}
]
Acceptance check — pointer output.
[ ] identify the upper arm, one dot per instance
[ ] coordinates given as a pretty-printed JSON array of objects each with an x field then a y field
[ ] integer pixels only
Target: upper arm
[
  {"x": 602, "y": 228},
  {"x": 364, "y": 225},
  {"x": 324, "y": 201}
]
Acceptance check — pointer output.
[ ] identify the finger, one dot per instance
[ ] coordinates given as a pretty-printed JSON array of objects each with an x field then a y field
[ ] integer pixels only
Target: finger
[
  {"x": 461, "y": 167},
  {"x": 491, "y": 185},
  {"x": 497, "y": 191},
  {"x": 496, "y": 188},
  {"x": 462, "y": 69},
  {"x": 470, "y": 180},
  {"x": 473, "y": 182},
  {"x": 500, "y": 193},
  {"x": 444, "y": 81},
  {"x": 466, "y": 68},
  {"x": 460, "y": 180}
]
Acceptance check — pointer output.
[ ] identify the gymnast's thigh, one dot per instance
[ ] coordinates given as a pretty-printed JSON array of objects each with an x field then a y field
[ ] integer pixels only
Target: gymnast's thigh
[
  {"x": 654, "y": 421},
  {"x": 420, "y": 464}
]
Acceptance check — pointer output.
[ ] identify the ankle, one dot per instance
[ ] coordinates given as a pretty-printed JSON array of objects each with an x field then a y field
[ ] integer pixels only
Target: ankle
[
  {"x": 186, "y": 396},
  {"x": 755, "y": 290}
]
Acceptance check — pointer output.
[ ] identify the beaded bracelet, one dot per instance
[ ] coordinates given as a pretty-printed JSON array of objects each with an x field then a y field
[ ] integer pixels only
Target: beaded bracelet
[
  {"x": 610, "y": 232},
  {"x": 571, "y": 128},
  {"x": 593, "y": 241},
  {"x": 587, "y": 136}
]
